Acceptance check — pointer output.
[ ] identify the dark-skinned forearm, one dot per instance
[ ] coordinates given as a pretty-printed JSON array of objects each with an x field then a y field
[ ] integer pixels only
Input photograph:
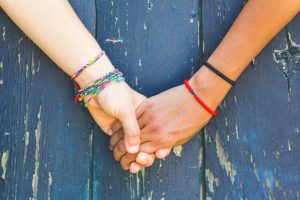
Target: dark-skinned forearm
[{"x": 256, "y": 25}]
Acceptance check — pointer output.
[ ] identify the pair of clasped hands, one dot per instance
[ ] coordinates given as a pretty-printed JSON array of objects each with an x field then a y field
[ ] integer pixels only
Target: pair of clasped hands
[{"x": 143, "y": 129}]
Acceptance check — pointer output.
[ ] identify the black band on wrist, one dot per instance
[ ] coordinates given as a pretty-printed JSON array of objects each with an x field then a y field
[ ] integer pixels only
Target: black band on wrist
[{"x": 220, "y": 74}]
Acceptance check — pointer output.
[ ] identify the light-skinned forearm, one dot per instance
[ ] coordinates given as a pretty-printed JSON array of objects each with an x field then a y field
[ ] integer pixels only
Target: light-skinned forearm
[
  {"x": 56, "y": 29},
  {"x": 256, "y": 25}
]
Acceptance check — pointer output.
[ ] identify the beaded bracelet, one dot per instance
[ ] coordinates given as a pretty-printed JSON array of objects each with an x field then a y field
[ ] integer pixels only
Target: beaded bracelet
[
  {"x": 213, "y": 112},
  {"x": 90, "y": 63},
  {"x": 97, "y": 86}
]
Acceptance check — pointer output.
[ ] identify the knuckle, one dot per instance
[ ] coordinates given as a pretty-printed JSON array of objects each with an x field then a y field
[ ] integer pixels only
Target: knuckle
[
  {"x": 126, "y": 112},
  {"x": 164, "y": 140},
  {"x": 149, "y": 105},
  {"x": 116, "y": 126},
  {"x": 153, "y": 116},
  {"x": 156, "y": 127},
  {"x": 130, "y": 142},
  {"x": 122, "y": 148},
  {"x": 134, "y": 133}
]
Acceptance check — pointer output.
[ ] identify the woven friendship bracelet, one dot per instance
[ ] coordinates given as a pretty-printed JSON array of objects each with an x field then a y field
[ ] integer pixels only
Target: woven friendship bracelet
[
  {"x": 97, "y": 86},
  {"x": 90, "y": 63},
  {"x": 220, "y": 74},
  {"x": 213, "y": 112}
]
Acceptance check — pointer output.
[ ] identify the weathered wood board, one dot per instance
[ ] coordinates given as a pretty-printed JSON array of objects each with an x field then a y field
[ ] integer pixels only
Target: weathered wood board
[
  {"x": 155, "y": 43},
  {"x": 44, "y": 149},
  {"x": 250, "y": 150}
]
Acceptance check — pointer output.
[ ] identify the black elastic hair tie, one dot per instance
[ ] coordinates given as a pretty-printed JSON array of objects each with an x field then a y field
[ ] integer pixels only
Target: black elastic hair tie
[{"x": 220, "y": 74}]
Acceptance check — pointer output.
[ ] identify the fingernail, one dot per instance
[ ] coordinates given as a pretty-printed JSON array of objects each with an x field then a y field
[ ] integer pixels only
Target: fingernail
[
  {"x": 109, "y": 132},
  {"x": 133, "y": 149},
  {"x": 134, "y": 169},
  {"x": 110, "y": 148},
  {"x": 146, "y": 160}
]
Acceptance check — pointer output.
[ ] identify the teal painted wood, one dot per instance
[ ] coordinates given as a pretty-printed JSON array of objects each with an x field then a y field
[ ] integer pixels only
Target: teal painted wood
[
  {"x": 44, "y": 149},
  {"x": 252, "y": 147},
  {"x": 155, "y": 43}
]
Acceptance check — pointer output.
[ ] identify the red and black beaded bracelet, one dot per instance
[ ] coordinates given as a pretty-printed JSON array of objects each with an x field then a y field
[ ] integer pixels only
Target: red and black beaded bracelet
[{"x": 204, "y": 105}]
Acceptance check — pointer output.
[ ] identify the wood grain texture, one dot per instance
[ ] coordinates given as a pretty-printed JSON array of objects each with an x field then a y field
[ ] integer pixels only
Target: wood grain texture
[
  {"x": 44, "y": 149},
  {"x": 155, "y": 44},
  {"x": 252, "y": 147},
  {"x": 250, "y": 151}
]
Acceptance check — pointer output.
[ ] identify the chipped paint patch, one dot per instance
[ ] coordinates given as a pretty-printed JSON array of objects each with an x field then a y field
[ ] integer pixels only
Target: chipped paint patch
[
  {"x": 290, "y": 53},
  {"x": 150, "y": 195},
  {"x": 3, "y": 164},
  {"x": 237, "y": 131},
  {"x": 150, "y": 5},
  {"x": 19, "y": 58},
  {"x": 254, "y": 62},
  {"x": 200, "y": 157},
  {"x": 3, "y": 33},
  {"x": 143, "y": 177},
  {"x": 289, "y": 145},
  {"x": 116, "y": 20},
  {"x": 32, "y": 64},
  {"x": 1, "y": 82},
  {"x": 255, "y": 172},
  {"x": 114, "y": 40},
  {"x": 26, "y": 142},
  {"x": 178, "y": 150},
  {"x": 20, "y": 40},
  {"x": 138, "y": 186},
  {"x": 212, "y": 180},
  {"x": 26, "y": 136},
  {"x": 50, "y": 180},
  {"x": 35, "y": 176},
  {"x": 223, "y": 159},
  {"x": 268, "y": 185}
]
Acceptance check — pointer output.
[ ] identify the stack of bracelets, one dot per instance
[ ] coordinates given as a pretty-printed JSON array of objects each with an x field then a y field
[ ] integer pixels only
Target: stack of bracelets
[
  {"x": 98, "y": 85},
  {"x": 204, "y": 105}
]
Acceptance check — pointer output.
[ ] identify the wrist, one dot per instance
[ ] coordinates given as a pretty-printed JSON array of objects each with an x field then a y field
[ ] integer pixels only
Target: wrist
[
  {"x": 229, "y": 66},
  {"x": 211, "y": 88}
]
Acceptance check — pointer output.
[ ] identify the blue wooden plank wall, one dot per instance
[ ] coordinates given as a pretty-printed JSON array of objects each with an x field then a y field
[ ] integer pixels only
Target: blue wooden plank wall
[
  {"x": 252, "y": 149},
  {"x": 51, "y": 148},
  {"x": 155, "y": 43}
]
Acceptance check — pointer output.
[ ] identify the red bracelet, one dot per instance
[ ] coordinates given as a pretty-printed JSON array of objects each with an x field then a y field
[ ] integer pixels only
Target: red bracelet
[{"x": 214, "y": 113}]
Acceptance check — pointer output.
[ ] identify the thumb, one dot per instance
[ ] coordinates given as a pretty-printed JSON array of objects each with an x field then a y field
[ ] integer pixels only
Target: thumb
[{"x": 131, "y": 132}]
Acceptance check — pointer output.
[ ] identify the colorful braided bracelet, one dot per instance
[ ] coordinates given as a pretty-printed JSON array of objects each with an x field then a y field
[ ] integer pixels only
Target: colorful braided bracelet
[
  {"x": 90, "y": 63},
  {"x": 97, "y": 86}
]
